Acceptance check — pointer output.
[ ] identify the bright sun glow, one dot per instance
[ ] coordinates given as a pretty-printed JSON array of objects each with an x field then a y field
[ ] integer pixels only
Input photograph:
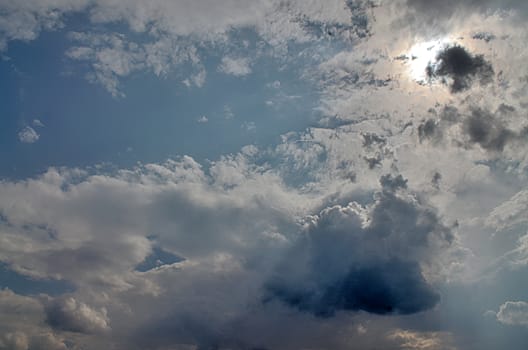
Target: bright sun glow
[{"x": 421, "y": 55}]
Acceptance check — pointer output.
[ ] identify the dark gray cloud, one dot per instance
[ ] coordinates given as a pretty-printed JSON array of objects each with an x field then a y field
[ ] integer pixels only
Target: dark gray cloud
[
  {"x": 481, "y": 126},
  {"x": 351, "y": 260},
  {"x": 390, "y": 287},
  {"x": 450, "y": 114},
  {"x": 487, "y": 37},
  {"x": 370, "y": 139},
  {"x": 486, "y": 130},
  {"x": 458, "y": 68},
  {"x": 429, "y": 130},
  {"x": 393, "y": 183}
]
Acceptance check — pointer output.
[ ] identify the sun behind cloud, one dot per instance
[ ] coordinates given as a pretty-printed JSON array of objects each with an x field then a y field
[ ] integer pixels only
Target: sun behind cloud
[{"x": 422, "y": 54}]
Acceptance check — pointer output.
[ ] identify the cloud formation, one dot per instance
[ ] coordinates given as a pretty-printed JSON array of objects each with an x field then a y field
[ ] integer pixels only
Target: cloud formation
[
  {"x": 458, "y": 68},
  {"x": 359, "y": 258},
  {"x": 238, "y": 67},
  {"x": 28, "y": 135},
  {"x": 514, "y": 313},
  {"x": 383, "y": 198},
  {"x": 70, "y": 315}
]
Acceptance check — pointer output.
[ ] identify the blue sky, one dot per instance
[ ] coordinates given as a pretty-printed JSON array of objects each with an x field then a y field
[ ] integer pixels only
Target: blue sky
[
  {"x": 263, "y": 175},
  {"x": 158, "y": 118}
]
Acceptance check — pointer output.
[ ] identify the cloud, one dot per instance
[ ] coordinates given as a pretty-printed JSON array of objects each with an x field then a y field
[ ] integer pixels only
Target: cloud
[
  {"x": 486, "y": 130},
  {"x": 510, "y": 213},
  {"x": 487, "y": 37},
  {"x": 513, "y": 313},
  {"x": 28, "y": 135},
  {"x": 28, "y": 332},
  {"x": 358, "y": 258},
  {"x": 457, "y": 67},
  {"x": 173, "y": 31},
  {"x": 238, "y": 67},
  {"x": 182, "y": 254},
  {"x": 25, "y": 20},
  {"x": 410, "y": 340},
  {"x": 14, "y": 341},
  {"x": 37, "y": 123},
  {"x": 96, "y": 229},
  {"x": 448, "y": 8},
  {"x": 202, "y": 119},
  {"x": 70, "y": 315},
  {"x": 429, "y": 130},
  {"x": 475, "y": 126}
]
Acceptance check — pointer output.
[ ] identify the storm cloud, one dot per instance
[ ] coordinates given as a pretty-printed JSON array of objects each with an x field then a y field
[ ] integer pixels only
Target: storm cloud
[{"x": 364, "y": 258}]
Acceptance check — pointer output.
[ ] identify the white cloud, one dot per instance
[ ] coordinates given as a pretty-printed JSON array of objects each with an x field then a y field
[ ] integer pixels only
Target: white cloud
[
  {"x": 238, "y": 67},
  {"x": 510, "y": 213},
  {"x": 514, "y": 313},
  {"x": 38, "y": 123},
  {"x": 202, "y": 119},
  {"x": 197, "y": 79},
  {"x": 172, "y": 29},
  {"x": 92, "y": 231},
  {"x": 23, "y": 20},
  {"x": 28, "y": 135}
]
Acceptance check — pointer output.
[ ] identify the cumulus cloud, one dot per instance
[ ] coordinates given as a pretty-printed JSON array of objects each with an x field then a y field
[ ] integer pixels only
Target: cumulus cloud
[
  {"x": 70, "y": 315},
  {"x": 238, "y": 67},
  {"x": 92, "y": 230},
  {"x": 358, "y": 258},
  {"x": 28, "y": 135},
  {"x": 28, "y": 332},
  {"x": 514, "y": 313}
]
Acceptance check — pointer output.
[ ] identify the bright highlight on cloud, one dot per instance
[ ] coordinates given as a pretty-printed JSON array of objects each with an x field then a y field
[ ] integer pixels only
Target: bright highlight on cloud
[
  {"x": 263, "y": 175},
  {"x": 422, "y": 55},
  {"x": 28, "y": 135}
]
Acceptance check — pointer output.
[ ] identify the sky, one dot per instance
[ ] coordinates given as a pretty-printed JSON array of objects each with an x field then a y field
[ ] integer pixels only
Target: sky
[{"x": 264, "y": 174}]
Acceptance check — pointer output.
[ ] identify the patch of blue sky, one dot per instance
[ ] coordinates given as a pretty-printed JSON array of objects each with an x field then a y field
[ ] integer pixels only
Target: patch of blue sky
[
  {"x": 156, "y": 120},
  {"x": 25, "y": 285},
  {"x": 157, "y": 258}
]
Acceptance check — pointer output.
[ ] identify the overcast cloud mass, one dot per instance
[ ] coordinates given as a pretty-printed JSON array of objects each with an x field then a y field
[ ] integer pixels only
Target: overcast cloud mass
[{"x": 265, "y": 174}]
